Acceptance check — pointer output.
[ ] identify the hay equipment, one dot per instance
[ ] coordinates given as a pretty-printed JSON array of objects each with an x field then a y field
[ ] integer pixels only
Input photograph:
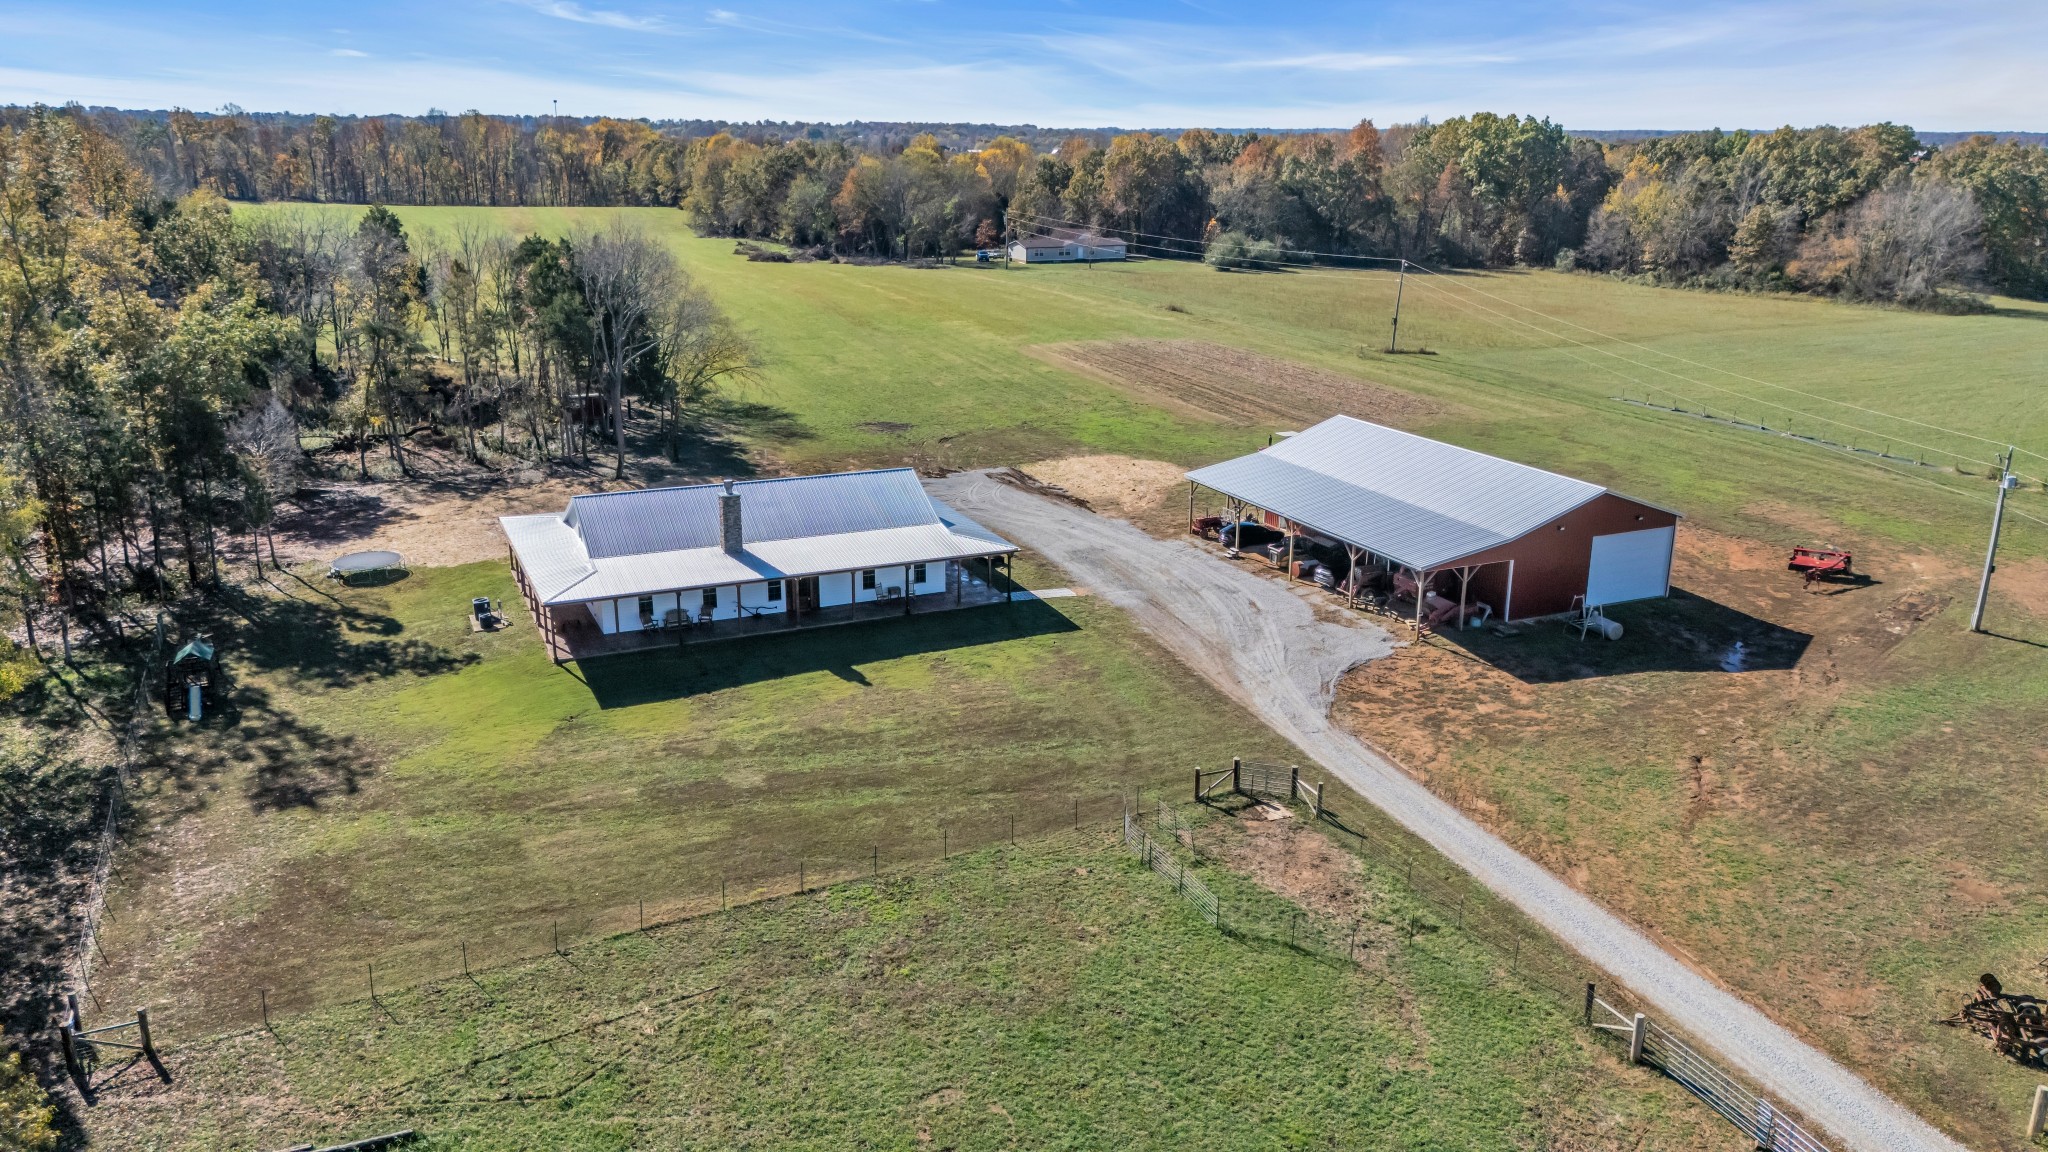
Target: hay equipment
[
  {"x": 2016, "y": 1025},
  {"x": 1820, "y": 563},
  {"x": 1207, "y": 527}
]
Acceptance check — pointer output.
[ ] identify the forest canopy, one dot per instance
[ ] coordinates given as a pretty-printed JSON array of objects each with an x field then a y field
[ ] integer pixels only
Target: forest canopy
[{"x": 1872, "y": 213}]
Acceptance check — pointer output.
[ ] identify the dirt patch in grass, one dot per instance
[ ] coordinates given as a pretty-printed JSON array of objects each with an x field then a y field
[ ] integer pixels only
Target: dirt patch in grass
[
  {"x": 1121, "y": 486},
  {"x": 1818, "y": 795},
  {"x": 1235, "y": 384}
]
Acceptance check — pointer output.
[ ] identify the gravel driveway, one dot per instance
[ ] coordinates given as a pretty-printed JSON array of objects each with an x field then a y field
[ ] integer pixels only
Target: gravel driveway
[{"x": 1263, "y": 643}]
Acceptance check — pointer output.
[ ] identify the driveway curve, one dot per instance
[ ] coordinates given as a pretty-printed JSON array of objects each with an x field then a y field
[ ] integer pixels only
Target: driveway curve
[{"x": 1264, "y": 644}]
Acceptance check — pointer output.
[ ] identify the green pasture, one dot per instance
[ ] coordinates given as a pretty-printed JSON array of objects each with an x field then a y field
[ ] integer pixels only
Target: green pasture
[
  {"x": 1530, "y": 361},
  {"x": 1050, "y": 996},
  {"x": 393, "y": 788}
]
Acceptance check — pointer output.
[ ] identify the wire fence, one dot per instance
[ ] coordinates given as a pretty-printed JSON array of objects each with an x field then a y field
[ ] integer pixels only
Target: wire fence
[
  {"x": 767, "y": 875},
  {"x": 1529, "y": 953}
]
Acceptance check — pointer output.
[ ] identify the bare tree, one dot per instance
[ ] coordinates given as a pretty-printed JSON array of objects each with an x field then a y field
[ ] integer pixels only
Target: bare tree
[
  {"x": 1914, "y": 240},
  {"x": 626, "y": 277}
]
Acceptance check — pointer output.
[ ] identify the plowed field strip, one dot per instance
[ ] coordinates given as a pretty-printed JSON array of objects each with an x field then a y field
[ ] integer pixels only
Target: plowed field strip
[{"x": 1234, "y": 383}]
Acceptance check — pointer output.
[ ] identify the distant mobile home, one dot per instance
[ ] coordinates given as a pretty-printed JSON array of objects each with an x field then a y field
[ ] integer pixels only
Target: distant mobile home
[
  {"x": 1524, "y": 541},
  {"x": 1066, "y": 248},
  {"x": 615, "y": 571}
]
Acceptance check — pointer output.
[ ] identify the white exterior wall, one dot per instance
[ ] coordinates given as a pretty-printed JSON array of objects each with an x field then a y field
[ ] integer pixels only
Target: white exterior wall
[
  {"x": 835, "y": 589},
  {"x": 756, "y": 596},
  {"x": 1066, "y": 253}
]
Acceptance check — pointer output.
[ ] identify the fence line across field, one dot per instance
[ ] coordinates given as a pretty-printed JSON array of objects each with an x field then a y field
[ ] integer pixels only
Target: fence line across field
[
  {"x": 429, "y": 962},
  {"x": 1535, "y": 956}
]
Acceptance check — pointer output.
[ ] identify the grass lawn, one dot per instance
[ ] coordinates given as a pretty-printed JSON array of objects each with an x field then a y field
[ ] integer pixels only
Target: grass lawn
[
  {"x": 940, "y": 350},
  {"x": 395, "y": 787},
  {"x": 1847, "y": 831},
  {"x": 1050, "y": 996}
]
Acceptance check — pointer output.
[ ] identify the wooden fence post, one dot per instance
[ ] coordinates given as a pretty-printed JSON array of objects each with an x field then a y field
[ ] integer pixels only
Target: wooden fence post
[
  {"x": 67, "y": 1032},
  {"x": 1638, "y": 1028},
  {"x": 1198, "y": 785},
  {"x": 1589, "y": 1003},
  {"x": 2038, "y": 1118},
  {"x": 1236, "y": 774},
  {"x": 1293, "y": 783},
  {"x": 142, "y": 1027}
]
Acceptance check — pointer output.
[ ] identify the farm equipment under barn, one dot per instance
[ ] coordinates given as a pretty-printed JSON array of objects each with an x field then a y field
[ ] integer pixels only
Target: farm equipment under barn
[
  {"x": 1820, "y": 564},
  {"x": 2016, "y": 1025}
]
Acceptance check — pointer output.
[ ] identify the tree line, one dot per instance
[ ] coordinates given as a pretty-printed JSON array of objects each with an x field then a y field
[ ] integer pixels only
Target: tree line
[
  {"x": 163, "y": 358},
  {"x": 1872, "y": 212}
]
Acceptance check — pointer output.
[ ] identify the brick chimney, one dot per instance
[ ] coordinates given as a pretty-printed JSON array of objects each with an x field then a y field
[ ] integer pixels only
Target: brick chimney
[{"x": 729, "y": 521}]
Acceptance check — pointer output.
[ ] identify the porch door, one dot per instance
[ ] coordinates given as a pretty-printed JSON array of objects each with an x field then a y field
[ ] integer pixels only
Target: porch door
[{"x": 806, "y": 594}]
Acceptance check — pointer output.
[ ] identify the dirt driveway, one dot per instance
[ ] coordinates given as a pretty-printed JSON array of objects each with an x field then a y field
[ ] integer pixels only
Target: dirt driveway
[{"x": 1268, "y": 646}]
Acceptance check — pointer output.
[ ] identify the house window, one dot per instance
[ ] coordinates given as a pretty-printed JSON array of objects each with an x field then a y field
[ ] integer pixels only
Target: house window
[
  {"x": 867, "y": 580},
  {"x": 647, "y": 611},
  {"x": 710, "y": 599},
  {"x": 774, "y": 591},
  {"x": 917, "y": 573}
]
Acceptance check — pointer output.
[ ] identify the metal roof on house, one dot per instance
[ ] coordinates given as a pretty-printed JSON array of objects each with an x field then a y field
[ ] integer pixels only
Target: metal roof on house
[
  {"x": 668, "y": 519},
  {"x": 612, "y": 544},
  {"x": 1417, "y": 501}
]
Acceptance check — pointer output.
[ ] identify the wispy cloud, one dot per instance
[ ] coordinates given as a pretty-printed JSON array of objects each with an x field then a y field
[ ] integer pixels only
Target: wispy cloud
[
  {"x": 602, "y": 17},
  {"x": 1370, "y": 62},
  {"x": 1139, "y": 63}
]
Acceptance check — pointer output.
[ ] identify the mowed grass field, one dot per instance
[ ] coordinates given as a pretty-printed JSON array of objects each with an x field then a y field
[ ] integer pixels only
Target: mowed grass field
[
  {"x": 393, "y": 788},
  {"x": 1055, "y": 995},
  {"x": 1845, "y": 827},
  {"x": 941, "y": 350}
]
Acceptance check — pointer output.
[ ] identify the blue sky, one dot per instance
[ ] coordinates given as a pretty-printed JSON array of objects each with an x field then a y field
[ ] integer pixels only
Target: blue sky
[{"x": 1960, "y": 64}]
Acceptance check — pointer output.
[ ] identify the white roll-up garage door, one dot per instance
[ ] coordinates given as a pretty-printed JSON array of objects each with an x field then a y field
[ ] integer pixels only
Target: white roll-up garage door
[{"x": 1630, "y": 566}]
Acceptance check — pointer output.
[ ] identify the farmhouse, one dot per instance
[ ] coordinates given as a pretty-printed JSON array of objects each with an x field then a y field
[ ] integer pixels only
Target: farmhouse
[
  {"x": 622, "y": 570},
  {"x": 1463, "y": 527},
  {"x": 1065, "y": 247}
]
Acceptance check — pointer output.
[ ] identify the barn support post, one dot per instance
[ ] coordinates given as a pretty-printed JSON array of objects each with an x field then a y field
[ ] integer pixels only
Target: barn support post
[
  {"x": 1351, "y": 576},
  {"x": 1464, "y": 582},
  {"x": 1191, "y": 503},
  {"x": 1288, "y": 527},
  {"x": 1421, "y": 595}
]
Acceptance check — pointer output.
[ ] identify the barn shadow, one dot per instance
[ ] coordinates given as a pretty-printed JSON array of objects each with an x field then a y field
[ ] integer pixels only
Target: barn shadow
[
  {"x": 633, "y": 678},
  {"x": 1682, "y": 633}
]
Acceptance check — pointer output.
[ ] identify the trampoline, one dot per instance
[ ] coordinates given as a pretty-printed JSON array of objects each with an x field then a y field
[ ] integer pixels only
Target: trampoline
[{"x": 362, "y": 563}]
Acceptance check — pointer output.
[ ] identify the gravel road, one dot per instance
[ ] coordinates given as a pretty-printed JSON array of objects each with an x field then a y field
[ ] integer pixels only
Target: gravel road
[{"x": 1262, "y": 643}]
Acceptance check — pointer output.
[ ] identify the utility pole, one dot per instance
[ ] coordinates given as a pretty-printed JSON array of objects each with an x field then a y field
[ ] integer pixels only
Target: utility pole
[
  {"x": 1394, "y": 341},
  {"x": 2006, "y": 482}
]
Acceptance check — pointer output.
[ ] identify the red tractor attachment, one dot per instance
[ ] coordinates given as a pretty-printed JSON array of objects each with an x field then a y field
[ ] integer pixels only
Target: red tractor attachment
[{"x": 1820, "y": 563}]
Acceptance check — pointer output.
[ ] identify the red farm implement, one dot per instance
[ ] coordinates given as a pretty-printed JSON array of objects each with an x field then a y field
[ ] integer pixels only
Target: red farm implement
[{"x": 1820, "y": 564}]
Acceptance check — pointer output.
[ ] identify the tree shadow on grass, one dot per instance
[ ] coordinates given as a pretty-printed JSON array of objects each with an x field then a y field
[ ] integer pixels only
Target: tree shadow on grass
[
  {"x": 698, "y": 669},
  {"x": 311, "y": 635},
  {"x": 1682, "y": 633}
]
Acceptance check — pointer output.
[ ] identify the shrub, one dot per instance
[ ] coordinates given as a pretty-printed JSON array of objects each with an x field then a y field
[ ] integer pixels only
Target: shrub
[{"x": 28, "y": 1122}]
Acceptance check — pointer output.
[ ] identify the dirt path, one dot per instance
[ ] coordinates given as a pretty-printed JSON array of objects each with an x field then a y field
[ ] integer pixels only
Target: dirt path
[{"x": 1265, "y": 645}]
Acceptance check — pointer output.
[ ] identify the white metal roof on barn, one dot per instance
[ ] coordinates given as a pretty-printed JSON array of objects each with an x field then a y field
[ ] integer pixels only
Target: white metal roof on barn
[
  {"x": 611, "y": 544},
  {"x": 1414, "y": 500}
]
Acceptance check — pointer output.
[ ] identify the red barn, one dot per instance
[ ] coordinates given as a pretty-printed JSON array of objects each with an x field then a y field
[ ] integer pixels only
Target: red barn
[{"x": 1525, "y": 541}]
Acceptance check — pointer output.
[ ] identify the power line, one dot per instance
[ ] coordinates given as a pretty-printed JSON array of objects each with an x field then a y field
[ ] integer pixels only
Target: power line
[
  {"x": 1471, "y": 307},
  {"x": 1451, "y": 283}
]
